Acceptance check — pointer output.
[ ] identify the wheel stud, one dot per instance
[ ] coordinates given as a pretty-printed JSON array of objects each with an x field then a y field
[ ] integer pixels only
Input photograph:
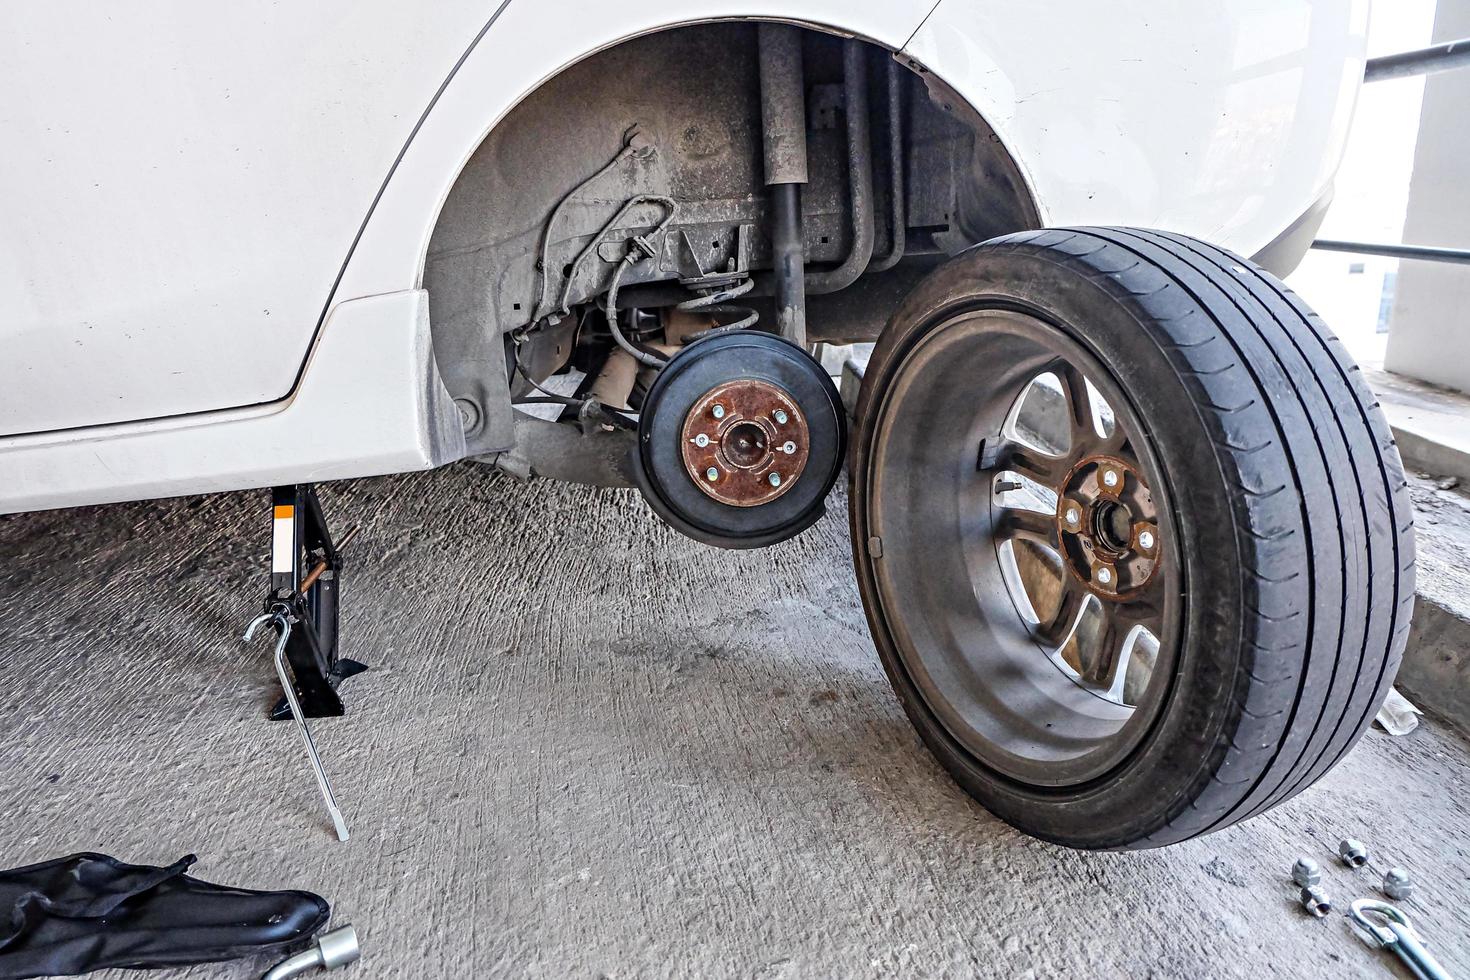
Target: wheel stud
[
  {"x": 780, "y": 416},
  {"x": 1110, "y": 478},
  {"x": 718, "y": 411},
  {"x": 1073, "y": 515},
  {"x": 712, "y": 474},
  {"x": 1146, "y": 540},
  {"x": 1105, "y": 576},
  {"x": 775, "y": 479}
]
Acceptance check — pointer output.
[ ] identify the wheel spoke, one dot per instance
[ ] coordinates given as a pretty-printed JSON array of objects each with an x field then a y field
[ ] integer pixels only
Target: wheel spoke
[
  {"x": 1102, "y": 662},
  {"x": 1101, "y": 658},
  {"x": 1031, "y": 463},
  {"x": 1029, "y": 524},
  {"x": 1117, "y": 443},
  {"x": 1061, "y": 623},
  {"x": 1145, "y": 608},
  {"x": 1079, "y": 406}
]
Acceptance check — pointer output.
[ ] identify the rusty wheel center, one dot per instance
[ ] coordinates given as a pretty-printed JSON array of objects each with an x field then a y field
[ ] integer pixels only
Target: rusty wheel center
[
  {"x": 1108, "y": 527},
  {"x": 745, "y": 442},
  {"x": 1112, "y": 527}
]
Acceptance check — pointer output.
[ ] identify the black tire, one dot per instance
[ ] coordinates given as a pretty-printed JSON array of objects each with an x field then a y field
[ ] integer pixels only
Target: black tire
[{"x": 1287, "y": 497}]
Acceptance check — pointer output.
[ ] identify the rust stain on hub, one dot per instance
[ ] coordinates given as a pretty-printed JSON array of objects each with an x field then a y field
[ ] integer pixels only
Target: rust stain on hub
[
  {"x": 1111, "y": 546},
  {"x": 745, "y": 443}
]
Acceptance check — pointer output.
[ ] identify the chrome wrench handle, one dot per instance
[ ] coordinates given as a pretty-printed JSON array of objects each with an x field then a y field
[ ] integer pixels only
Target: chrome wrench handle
[{"x": 281, "y": 620}]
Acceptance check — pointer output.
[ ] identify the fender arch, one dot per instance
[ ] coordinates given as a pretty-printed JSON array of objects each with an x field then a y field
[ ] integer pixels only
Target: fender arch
[{"x": 522, "y": 46}]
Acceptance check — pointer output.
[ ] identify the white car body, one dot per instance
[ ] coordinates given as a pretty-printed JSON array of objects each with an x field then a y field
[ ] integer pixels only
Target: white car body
[{"x": 214, "y": 219}]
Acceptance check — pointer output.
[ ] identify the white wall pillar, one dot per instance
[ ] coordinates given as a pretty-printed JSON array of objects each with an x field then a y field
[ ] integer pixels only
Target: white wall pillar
[{"x": 1429, "y": 335}]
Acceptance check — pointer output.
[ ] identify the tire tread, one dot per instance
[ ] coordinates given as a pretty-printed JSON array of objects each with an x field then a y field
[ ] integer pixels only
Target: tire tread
[{"x": 1325, "y": 426}]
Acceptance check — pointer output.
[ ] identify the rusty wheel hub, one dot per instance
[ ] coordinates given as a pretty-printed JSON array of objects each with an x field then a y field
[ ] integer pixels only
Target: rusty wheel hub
[
  {"x": 740, "y": 438},
  {"x": 1107, "y": 527},
  {"x": 745, "y": 442}
]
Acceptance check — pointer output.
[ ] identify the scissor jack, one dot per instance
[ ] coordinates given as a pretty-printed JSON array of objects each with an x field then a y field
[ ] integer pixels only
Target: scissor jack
[{"x": 306, "y": 580}]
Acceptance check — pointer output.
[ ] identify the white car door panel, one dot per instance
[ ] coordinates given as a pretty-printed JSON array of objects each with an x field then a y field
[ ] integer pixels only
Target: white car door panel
[{"x": 180, "y": 185}]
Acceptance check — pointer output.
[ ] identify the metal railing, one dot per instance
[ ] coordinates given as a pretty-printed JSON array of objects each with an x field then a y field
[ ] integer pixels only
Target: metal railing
[
  {"x": 1427, "y": 253},
  {"x": 1425, "y": 61}
]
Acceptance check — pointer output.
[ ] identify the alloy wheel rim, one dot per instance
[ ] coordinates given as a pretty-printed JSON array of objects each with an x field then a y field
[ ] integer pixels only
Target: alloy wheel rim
[
  {"x": 1103, "y": 529},
  {"x": 1056, "y": 688}
]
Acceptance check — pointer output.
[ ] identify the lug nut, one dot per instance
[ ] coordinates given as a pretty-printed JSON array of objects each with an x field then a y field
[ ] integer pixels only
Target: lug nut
[
  {"x": 1110, "y": 478},
  {"x": 1146, "y": 540},
  {"x": 775, "y": 479},
  {"x": 1306, "y": 872},
  {"x": 780, "y": 416},
  {"x": 1315, "y": 901},
  {"x": 1397, "y": 884},
  {"x": 1354, "y": 853},
  {"x": 701, "y": 440},
  {"x": 718, "y": 411},
  {"x": 712, "y": 474},
  {"x": 1105, "y": 575}
]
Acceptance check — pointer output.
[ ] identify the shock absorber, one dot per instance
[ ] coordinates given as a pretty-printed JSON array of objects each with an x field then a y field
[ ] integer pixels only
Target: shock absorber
[{"x": 783, "y": 119}]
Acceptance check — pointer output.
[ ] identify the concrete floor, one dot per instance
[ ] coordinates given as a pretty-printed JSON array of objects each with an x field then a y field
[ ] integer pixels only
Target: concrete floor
[{"x": 590, "y": 747}]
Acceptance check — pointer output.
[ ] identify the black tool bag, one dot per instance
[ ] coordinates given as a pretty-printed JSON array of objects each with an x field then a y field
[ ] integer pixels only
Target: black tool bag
[{"x": 89, "y": 911}]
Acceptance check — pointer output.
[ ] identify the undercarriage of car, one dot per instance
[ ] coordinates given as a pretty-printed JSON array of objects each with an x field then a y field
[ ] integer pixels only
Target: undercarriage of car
[
  {"x": 1080, "y": 462},
  {"x": 719, "y": 178}
]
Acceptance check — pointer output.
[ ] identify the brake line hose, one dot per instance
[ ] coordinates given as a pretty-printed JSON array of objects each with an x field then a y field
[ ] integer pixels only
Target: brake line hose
[{"x": 638, "y": 248}]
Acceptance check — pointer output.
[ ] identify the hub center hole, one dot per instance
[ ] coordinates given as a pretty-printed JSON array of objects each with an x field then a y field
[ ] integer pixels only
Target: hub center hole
[
  {"x": 745, "y": 444},
  {"x": 1112, "y": 526}
]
